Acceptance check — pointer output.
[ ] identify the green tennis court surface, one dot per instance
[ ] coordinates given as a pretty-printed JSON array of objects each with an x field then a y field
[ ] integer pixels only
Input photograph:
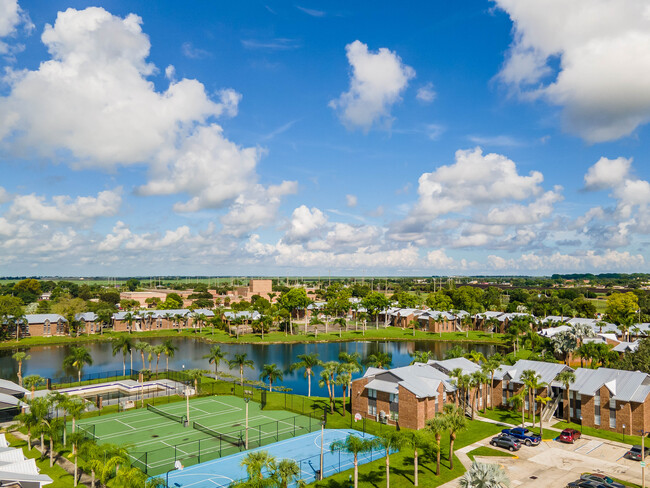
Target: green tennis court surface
[{"x": 155, "y": 442}]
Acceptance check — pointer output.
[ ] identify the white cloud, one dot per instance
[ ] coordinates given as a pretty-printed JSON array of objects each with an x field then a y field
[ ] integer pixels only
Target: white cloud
[
  {"x": 93, "y": 97},
  {"x": 376, "y": 83},
  {"x": 438, "y": 259},
  {"x": 426, "y": 93},
  {"x": 64, "y": 209},
  {"x": 534, "y": 212},
  {"x": 351, "y": 201},
  {"x": 12, "y": 17},
  {"x": 4, "y": 196},
  {"x": 607, "y": 173},
  {"x": 305, "y": 224},
  {"x": 473, "y": 179},
  {"x": 256, "y": 209},
  {"x": 603, "y": 48}
]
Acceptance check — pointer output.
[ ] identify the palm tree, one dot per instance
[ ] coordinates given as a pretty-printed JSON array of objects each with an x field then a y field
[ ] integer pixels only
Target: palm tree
[
  {"x": 123, "y": 344},
  {"x": 157, "y": 351},
  {"x": 316, "y": 321},
  {"x": 420, "y": 357},
  {"x": 456, "y": 421},
  {"x": 526, "y": 378},
  {"x": 142, "y": 347},
  {"x": 129, "y": 318},
  {"x": 566, "y": 378},
  {"x": 352, "y": 363},
  {"x": 272, "y": 372},
  {"x": 215, "y": 356},
  {"x": 240, "y": 361},
  {"x": 517, "y": 401},
  {"x": 287, "y": 471},
  {"x": 542, "y": 400},
  {"x": 482, "y": 475},
  {"x": 19, "y": 357},
  {"x": 491, "y": 364},
  {"x": 257, "y": 461},
  {"x": 170, "y": 350},
  {"x": 330, "y": 369},
  {"x": 414, "y": 324},
  {"x": 477, "y": 379},
  {"x": 307, "y": 362},
  {"x": 354, "y": 445},
  {"x": 414, "y": 439},
  {"x": 363, "y": 317},
  {"x": 475, "y": 357},
  {"x": 195, "y": 375},
  {"x": 92, "y": 457},
  {"x": 379, "y": 359},
  {"x": 40, "y": 409},
  {"x": 391, "y": 441},
  {"x": 28, "y": 420},
  {"x": 437, "y": 425},
  {"x": 77, "y": 359},
  {"x": 32, "y": 381}
]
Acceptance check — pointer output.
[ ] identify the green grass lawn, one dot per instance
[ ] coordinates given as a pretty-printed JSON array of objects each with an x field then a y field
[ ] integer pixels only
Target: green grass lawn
[
  {"x": 505, "y": 415},
  {"x": 488, "y": 451},
  {"x": 60, "y": 477},
  {"x": 401, "y": 463},
  {"x": 603, "y": 434},
  {"x": 390, "y": 333}
]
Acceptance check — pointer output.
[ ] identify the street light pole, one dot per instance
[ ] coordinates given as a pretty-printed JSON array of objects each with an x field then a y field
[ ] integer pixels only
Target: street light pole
[
  {"x": 643, "y": 433},
  {"x": 246, "y": 442},
  {"x": 322, "y": 437}
]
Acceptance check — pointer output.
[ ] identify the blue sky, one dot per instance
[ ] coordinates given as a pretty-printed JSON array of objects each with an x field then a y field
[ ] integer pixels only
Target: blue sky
[{"x": 268, "y": 138}]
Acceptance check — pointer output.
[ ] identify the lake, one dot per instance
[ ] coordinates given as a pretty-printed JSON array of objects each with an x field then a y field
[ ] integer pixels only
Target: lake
[{"x": 47, "y": 360}]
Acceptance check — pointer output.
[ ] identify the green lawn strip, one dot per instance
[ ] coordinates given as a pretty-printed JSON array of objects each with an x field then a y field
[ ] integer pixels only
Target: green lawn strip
[
  {"x": 389, "y": 333},
  {"x": 626, "y": 483},
  {"x": 505, "y": 415},
  {"x": 60, "y": 477},
  {"x": 603, "y": 434},
  {"x": 488, "y": 451}
]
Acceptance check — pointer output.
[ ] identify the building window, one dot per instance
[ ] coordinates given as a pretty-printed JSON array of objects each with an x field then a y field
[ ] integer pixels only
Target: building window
[
  {"x": 372, "y": 410},
  {"x": 394, "y": 415},
  {"x": 394, "y": 397},
  {"x": 372, "y": 393},
  {"x": 597, "y": 408},
  {"x": 612, "y": 414}
]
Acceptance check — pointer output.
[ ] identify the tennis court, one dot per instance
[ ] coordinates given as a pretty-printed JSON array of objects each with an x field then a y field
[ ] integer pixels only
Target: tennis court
[
  {"x": 157, "y": 438},
  {"x": 305, "y": 450}
]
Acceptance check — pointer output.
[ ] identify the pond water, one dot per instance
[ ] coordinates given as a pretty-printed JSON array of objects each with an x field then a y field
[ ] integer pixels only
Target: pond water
[{"x": 47, "y": 360}]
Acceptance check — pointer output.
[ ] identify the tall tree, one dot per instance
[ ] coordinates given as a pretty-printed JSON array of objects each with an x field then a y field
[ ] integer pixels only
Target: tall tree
[
  {"x": 272, "y": 373},
  {"x": 456, "y": 422},
  {"x": 142, "y": 348},
  {"x": 170, "y": 350},
  {"x": 286, "y": 472},
  {"x": 491, "y": 364},
  {"x": 122, "y": 344},
  {"x": 241, "y": 361},
  {"x": 256, "y": 462},
  {"x": 379, "y": 359},
  {"x": 566, "y": 378},
  {"x": 32, "y": 381},
  {"x": 19, "y": 357},
  {"x": 307, "y": 362},
  {"x": 355, "y": 446},
  {"x": 415, "y": 439},
  {"x": 77, "y": 358},
  {"x": 327, "y": 378},
  {"x": 437, "y": 425},
  {"x": 215, "y": 356},
  {"x": 391, "y": 441}
]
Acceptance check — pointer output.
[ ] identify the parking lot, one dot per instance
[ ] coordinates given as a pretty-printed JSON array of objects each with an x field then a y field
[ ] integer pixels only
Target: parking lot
[{"x": 554, "y": 464}]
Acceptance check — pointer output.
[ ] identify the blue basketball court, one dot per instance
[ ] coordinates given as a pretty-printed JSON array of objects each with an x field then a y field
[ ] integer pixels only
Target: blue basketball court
[{"x": 305, "y": 450}]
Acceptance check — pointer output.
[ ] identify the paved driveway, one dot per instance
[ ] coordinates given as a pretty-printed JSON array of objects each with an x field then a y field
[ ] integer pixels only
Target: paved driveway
[{"x": 554, "y": 464}]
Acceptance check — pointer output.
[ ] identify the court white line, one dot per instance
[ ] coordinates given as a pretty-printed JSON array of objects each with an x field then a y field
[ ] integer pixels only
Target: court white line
[
  {"x": 126, "y": 425},
  {"x": 176, "y": 448}
]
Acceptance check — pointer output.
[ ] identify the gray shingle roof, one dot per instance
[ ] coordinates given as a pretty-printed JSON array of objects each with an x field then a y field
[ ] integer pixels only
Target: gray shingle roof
[
  {"x": 40, "y": 318},
  {"x": 86, "y": 316},
  {"x": 626, "y": 386},
  {"x": 420, "y": 379},
  {"x": 547, "y": 371},
  {"x": 448, "y": 365}
]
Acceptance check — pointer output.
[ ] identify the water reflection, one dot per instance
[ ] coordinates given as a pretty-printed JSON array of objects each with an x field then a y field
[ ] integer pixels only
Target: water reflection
[{"x": 47, "y": 360}]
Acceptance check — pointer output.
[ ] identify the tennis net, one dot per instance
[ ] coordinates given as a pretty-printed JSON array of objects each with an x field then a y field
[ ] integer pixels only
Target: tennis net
[
  {"x": 176, "y": 418},
  {"x": 231, "y": 439}
]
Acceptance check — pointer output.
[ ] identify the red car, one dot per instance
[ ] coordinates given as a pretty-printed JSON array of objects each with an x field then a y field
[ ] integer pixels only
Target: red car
[{"x": 569, "y": 435}]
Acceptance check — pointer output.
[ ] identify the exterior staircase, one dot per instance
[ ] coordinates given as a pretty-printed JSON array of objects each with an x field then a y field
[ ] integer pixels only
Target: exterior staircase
[{"x": 550, "y": 408}]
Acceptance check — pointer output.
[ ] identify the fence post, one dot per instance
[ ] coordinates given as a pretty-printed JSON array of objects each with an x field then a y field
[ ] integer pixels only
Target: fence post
[
  {"x": 277, "y": 431},
  {"x": 146, "y": 462},
  {"x": 175, "y": 454},
  {"x": 199, "y": 451}
]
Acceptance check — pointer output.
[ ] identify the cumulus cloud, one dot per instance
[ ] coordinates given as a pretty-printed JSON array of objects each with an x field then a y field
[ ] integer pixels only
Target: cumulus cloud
[
  {"x": 94, "y": 102},
  {"x": 607, "y": 173},
  {"x": 305, "y": 224},
  {"x": 603, "y": 48},
  {"x": 376, "y": 83},
  {"x": 65, "y": 209},
  {"x": 12, "y": 17}
]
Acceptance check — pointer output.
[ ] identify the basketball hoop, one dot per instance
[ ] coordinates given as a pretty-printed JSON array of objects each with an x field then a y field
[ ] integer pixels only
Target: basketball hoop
[
  {"x": 178, "y": 465},
  {"x": 357, "y": 417}
]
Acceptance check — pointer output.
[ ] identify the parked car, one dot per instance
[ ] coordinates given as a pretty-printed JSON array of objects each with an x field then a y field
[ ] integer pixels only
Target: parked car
[
  {"x": 570, "y": 435},
  {"x": 507, "y": 442},
  {"x": 526, "y": 436},
  {"x": 635, "y": 453},
  {"x": 585, "y": 484},
  {"x": 602, "y": 479}
]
